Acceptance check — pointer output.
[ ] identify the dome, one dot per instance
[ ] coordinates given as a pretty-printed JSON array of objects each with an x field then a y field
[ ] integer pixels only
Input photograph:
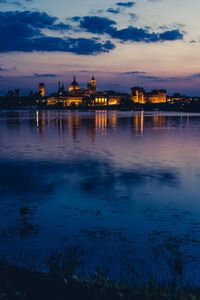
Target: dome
[
  {"x": 74, "y": 85},
  {"x": 74, "y": 82}
]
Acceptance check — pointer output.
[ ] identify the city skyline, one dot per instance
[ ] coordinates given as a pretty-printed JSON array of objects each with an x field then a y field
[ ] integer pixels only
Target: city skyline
[{"x": 154, "y": 44}]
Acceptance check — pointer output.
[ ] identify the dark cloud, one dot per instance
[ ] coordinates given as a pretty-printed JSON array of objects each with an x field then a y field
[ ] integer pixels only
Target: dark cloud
[
  {"x": 29, "y": 21},
  {"x": 80, "y": 46},
  {"x": 171, "y": 35},
  {"x": 133, "y": 73},
  {"x": 88, "y": 46},
  {"x": 16, "y": 3},
  {"x": 190, "y": 77},
  {"x": 125, "y": 4},
  {"x": 85, "y": 71},
  {"x": 164, "y": 79},
  {"x": 94, "y": 24},
  {"x": 155, "y": 78},
  {"x": 44, "y": 75},
  {"x": 196, "y": 75},
  {"x": 113, "y": 11},
  {"x": 100, "y": 25},
  {"x": 23, "y": 31},
  {"x": 141, "y": 75},
  {"x": 75, "y": 19},
  {"x": 133, "y": 17},
  {"x": 135, "y": 34}
]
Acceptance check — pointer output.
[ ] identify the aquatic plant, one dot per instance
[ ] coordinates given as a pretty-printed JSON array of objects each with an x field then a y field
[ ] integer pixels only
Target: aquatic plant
[{"x": 66, "y": 263}]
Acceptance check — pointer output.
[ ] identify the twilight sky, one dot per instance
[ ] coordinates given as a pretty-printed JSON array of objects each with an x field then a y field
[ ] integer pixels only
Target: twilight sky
[{"x": 150, "y": 43}]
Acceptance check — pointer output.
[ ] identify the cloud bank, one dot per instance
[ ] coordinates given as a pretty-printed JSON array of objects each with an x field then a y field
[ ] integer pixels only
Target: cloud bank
[
  {"x": 29, "y": 31},
  {"x": 101, "y": 25},
  {"x": 24, "y": 31}
]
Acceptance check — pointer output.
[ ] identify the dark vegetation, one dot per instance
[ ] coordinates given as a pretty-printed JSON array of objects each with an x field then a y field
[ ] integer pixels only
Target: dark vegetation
[{"x": 64, "y": 279}]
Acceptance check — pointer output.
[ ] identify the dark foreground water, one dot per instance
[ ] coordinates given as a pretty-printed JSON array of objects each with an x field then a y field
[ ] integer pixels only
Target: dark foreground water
[{"x": 121, "y": 186}]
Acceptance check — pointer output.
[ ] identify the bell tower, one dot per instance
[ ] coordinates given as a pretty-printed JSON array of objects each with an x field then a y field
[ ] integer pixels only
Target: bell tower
[
  {"x": 92, "y": 88},
  {"x": 93, "y": 81},
  {"x": 42, "y": 89}
]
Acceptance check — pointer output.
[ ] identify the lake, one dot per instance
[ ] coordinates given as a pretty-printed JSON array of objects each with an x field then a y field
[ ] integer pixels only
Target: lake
[{"x": 119, "y": 186}]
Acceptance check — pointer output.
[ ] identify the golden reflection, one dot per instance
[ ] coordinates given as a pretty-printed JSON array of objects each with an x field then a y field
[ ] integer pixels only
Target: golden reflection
[
  {"x": 48, "y": 118},
  {"x": 113, "y": 120},
  {"x": 92, "y": 133},
  {"x": 159, "y": 121},
  {"x": 60, "y": 124},
  {"x": 139, "y": 123},
  {"x": 74, "y": 124},
  {"x": 136, "y": 124},
  {"x": 142, "y": 122},
  {"x": 37, "y": 119},
  {"x": 101, "y": 120},
  {"x": 42, "y": 129}
]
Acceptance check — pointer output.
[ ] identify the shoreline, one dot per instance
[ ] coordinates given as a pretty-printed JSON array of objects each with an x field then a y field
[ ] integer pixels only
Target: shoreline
[
  {"x": 166, "y": 107},
  {"x": 23, "y": 283}
]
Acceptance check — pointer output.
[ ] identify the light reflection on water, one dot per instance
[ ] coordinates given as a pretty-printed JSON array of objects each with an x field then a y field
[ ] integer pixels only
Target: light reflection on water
[{"x": 117, "y": 184}]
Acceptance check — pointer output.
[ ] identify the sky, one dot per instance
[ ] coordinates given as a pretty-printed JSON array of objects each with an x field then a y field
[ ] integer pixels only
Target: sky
[{"x": 150, "y": 43}]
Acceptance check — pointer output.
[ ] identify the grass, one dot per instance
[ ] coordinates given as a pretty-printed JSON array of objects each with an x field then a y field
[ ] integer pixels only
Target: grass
[{"x": 67, "y": 278}]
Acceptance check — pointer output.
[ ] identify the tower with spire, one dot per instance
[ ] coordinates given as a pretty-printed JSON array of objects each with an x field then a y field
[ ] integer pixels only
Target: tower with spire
[{"x": 92, "y": 86}]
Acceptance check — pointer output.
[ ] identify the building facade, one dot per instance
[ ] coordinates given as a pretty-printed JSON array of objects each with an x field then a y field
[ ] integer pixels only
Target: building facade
[
  {"x": 138, "y": 95},
  {"x": 75, "y": 95}
]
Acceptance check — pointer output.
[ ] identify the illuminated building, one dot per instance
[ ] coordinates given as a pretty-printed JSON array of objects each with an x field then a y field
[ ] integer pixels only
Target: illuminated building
[
  {"x": 114, "y": 100},
  {"x": 92, "y": 88},
  {"x": 42, "y": 89},
  {"x": 157, "y": 96},
  {"x": 77, "y": 96},
  {"x": 103, "y": 99},
  {"x": 61, "y": 89},
  {"x": 138, "y": 95},
  {"x": 74, "y": 86},
  {"x": 66, "y": 101},
  {"x": 100, "y": 99}
]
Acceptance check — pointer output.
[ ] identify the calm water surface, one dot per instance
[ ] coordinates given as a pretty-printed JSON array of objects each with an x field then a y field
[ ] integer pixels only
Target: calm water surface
[{"x": 118, "y": 185}]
